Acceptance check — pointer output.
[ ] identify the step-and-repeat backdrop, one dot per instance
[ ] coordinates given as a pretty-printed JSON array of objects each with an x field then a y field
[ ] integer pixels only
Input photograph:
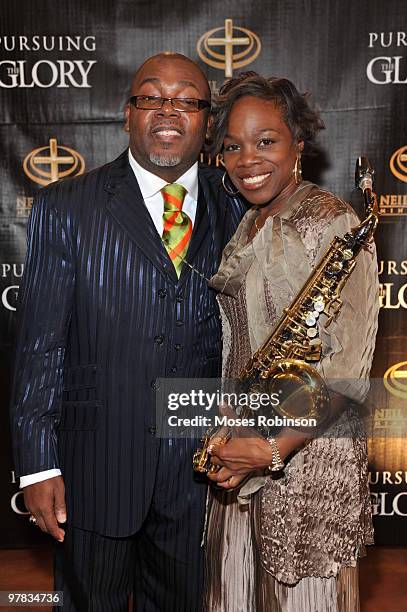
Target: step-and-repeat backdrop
[{"x": 65, "y": 70}]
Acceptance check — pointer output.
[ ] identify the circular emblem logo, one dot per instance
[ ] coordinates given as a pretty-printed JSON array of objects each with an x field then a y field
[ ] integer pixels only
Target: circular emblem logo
[
  {"x": 395, "y": 380},
  {"x": 397, "y": 165},
  {"x": 224, "y": 37},
  {"x": 48, "y": 164}
]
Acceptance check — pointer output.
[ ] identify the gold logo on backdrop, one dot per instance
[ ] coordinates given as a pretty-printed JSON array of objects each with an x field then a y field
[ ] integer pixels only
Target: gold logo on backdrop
[
  {"x": 395, "y": 380},
  {"x": 395, "y": 204},
  {"x": 398, "y": 168},
  {"x": 48, "y": 164},
  {"x": 228, "y": 60}
]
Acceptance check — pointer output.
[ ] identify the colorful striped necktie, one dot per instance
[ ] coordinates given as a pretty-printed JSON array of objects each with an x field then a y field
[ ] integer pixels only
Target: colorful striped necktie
[{"x": 177, "y": 225}]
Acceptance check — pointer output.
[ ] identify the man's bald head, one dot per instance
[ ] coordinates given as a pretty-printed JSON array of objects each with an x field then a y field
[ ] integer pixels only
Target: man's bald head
[{"x": 170, "y": 57}]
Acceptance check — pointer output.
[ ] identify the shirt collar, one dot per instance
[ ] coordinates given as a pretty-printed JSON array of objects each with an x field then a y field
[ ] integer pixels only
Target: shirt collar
[{"x": 150, "y": 184}]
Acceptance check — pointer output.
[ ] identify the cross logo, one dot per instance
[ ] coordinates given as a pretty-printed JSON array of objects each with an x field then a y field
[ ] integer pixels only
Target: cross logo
[
  {"x": 54, "y": 161},
  {"x": 247, "y": 41}
]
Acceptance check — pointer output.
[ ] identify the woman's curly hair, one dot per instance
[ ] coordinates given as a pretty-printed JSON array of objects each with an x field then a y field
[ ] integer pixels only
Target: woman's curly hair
[{"x": 303, "y": 121}]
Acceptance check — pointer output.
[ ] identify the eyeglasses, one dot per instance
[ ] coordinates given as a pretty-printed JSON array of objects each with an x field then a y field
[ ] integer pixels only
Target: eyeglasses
[{"x": 184, "y": 105}]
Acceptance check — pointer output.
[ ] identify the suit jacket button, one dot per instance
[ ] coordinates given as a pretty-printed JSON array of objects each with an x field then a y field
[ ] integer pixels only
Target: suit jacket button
[
  {"x": 162, "y": 293},
  {"x": 152, "y": 431},
  {"x": 159, "y": 339},
  {"x": 174, "y": 369},
  {"x": 155, "y": 384}
]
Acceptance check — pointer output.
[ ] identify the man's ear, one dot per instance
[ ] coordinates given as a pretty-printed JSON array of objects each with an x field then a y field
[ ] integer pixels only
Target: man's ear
[{"x": 127, "y": 118}]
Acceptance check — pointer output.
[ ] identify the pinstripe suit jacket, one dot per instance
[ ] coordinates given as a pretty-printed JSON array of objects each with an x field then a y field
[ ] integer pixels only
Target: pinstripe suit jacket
[{"x": 102, "y": 315}]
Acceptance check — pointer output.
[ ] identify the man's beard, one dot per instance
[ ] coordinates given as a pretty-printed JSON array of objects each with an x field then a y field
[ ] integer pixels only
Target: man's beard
[{"x": 164, "y": 160}]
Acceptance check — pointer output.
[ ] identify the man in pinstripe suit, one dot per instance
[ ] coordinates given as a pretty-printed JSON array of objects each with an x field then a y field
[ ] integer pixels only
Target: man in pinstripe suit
[{"x": 103, "y": 314}]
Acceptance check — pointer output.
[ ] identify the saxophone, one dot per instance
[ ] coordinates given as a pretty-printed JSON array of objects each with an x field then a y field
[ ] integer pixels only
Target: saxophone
[{"x": 291, "y": 348}]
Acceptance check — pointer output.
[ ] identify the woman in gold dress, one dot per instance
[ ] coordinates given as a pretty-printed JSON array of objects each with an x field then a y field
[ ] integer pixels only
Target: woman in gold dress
[{"x": 288, "y": 544}]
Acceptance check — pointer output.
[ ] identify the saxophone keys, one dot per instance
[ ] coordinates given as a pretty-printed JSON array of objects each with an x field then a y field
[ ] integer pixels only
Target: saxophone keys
[
  {"x": 310, "y": 319},
  {"x": 314, "y": 351},
  {"x": 334, "y": 268},
  {"x": 347, "y": 254},
  {"x": 285, "y": 334},
  {"x": 336, "y": 305},
  {"x": 327, "y": 281},
  {"x": 312, "y": 332},
  {"x": 319, "y": 304}
]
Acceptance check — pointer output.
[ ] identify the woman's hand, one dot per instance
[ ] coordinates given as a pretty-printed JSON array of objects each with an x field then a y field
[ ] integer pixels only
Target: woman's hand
[
  {"x": 226, "y": 480},
  {"x": 239, "y": 457}
]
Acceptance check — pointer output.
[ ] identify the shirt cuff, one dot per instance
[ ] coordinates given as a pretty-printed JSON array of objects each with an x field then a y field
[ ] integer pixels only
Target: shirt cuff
[{"x": 38, "y": 477}]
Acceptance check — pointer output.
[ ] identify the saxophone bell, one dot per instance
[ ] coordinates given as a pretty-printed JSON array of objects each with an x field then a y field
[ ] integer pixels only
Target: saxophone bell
[{"x": 303, "y": 392}]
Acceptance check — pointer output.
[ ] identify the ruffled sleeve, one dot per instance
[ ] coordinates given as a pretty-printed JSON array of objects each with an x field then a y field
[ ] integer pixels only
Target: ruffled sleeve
[{"x": 349, "y": 342}]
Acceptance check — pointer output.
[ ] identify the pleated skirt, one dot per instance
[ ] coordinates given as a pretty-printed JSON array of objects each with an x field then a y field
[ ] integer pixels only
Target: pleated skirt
[{"x": 237, "y": 582}]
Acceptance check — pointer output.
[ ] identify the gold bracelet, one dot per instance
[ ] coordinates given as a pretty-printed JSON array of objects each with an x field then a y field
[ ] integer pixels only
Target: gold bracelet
[{"x": 276, "y": 463}]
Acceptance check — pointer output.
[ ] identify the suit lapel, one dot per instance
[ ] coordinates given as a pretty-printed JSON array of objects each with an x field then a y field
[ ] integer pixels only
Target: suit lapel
[{"x": 127, "y": 206}]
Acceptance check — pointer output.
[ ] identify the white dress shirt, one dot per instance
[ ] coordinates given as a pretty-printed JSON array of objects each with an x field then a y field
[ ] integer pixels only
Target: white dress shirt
[{"x": 150, "y": 187}]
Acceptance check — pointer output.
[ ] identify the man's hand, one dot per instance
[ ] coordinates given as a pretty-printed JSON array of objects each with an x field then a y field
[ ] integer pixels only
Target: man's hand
[{"x": 46, "y": 502}]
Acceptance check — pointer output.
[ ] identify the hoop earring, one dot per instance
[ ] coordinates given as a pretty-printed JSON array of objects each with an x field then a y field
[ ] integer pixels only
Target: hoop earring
[
  {"x": 297, "y": 170},
  {"x": 228, "y": 191}
]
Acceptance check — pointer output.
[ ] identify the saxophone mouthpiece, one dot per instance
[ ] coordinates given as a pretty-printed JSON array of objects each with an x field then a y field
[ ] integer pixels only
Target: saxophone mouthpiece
[{"x": 364, "y": 173}]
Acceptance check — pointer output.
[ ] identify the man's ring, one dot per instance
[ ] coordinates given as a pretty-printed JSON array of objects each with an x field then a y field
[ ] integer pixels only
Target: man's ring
[{"x": 33, "y": 520}]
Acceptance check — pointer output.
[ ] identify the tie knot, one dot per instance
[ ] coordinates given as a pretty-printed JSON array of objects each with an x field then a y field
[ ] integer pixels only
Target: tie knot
[{"x": 173, "y": 195}]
